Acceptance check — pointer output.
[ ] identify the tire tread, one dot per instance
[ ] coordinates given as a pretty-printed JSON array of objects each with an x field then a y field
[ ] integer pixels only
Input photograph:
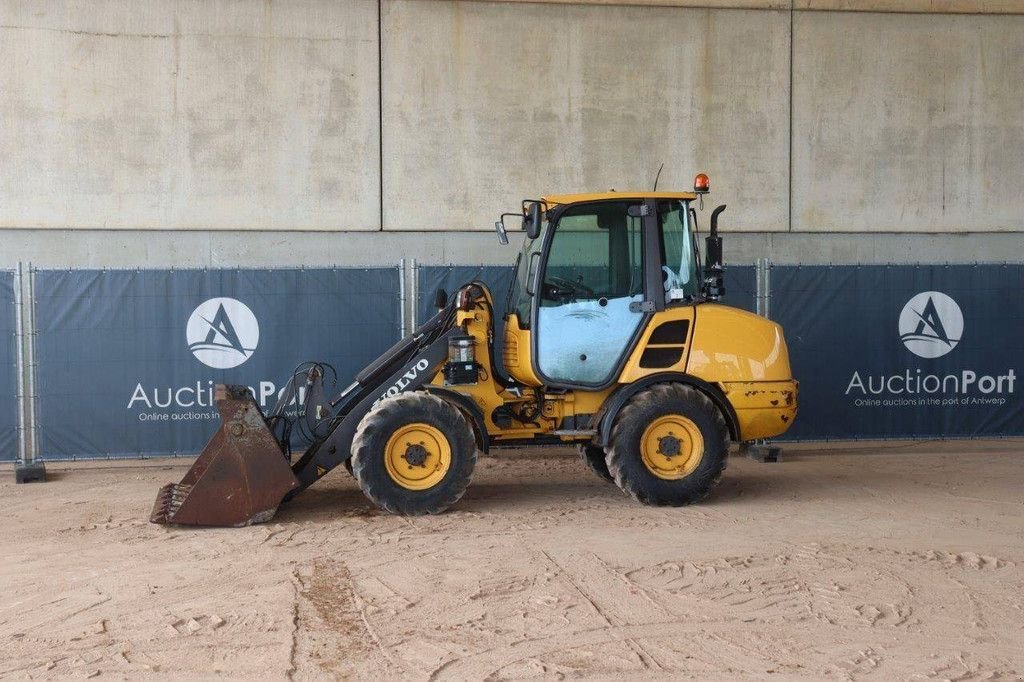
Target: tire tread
[
  {"x": 621, "y": 458},
  {"x": 372, "y": 477}
]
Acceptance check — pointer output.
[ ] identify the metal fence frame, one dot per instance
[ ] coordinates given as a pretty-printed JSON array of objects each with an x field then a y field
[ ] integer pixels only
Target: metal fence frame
[
  {"x": 28, "y": 393},
  {"x": 765, "y": 267},
  {"x": 16, "y": 366}
]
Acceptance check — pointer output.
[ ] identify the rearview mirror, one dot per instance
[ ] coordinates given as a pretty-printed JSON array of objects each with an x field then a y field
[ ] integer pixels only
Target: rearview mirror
[
  {"x": 532, "y": 216},
  {"x": 499, "y": 228}
]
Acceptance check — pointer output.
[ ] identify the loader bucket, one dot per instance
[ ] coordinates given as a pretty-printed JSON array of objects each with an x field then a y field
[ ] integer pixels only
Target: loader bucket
[{"x": 240, "y": 477}]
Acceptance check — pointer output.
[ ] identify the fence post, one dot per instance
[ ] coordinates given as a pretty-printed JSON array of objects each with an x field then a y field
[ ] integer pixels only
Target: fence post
[
  {"x": 33, "y": 363},
  {"x": 19, "y": 362},
  {"x": 28, "y": 468},
  {"x": 414, "y": 296},
  {"x": 759, "y": 286},
  {"x": 402, "y": 331}
]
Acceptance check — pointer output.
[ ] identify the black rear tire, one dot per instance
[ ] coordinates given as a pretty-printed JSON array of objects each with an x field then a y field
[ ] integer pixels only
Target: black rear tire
[
  {"x": 594, "y": 457},
  {"x": 391, "y": 418},
  {"x": 658, "y": 404}
]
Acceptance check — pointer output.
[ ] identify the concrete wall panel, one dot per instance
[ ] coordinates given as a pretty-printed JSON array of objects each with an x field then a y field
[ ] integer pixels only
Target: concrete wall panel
[
  {"x": 484, "y": 104},
  {"x": 191, "y": 115},
  {"x": 908, "y": 122}
]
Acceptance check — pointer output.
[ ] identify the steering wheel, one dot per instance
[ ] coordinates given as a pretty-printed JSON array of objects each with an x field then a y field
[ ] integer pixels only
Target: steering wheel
[{"x": 566, "y": 288}]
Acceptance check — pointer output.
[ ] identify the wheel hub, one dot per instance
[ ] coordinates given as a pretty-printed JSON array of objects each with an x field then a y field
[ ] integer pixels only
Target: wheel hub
[
  {"x": 669, "y": 445},
  {"x": 415, "y": 454},
  {"x": 672, "y": 447}
]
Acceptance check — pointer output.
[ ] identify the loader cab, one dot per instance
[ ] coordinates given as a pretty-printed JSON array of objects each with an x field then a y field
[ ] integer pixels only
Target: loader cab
[{"x": 584, "y": 289}]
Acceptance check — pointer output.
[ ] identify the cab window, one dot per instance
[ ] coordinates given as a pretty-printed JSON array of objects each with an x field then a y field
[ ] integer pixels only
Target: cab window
[
  {"x": 592, "y": 277},
  {"x": 679, "y": 274},
  {"x": 596, "y": 252}
]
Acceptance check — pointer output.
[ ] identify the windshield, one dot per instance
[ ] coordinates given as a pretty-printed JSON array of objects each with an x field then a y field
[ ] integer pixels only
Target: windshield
[
  {"x": 518, "y": 299},
  {"x": 679, "y": 274}
]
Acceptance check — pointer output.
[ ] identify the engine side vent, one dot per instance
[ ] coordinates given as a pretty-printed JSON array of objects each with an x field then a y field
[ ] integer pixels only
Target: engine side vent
[
  {"x": 671, "y": 333},
  {"x": 660, "y": 357},
  {"x": 666, "y": 345}
]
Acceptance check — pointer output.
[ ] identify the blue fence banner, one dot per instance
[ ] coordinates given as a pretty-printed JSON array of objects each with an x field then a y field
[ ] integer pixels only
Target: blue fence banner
[
  {"x": 904, "y": 351},
  {"x": 430, "y": 278},
  {"x": 741, "y": 287},
  {"x": 8, "y": 370},
  {"x": 127, "y": 360},
  {"x": 497, "y": 278}
]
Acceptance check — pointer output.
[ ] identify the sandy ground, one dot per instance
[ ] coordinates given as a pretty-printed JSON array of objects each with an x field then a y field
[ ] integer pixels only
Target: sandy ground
[{"x": 885, "y": 562}]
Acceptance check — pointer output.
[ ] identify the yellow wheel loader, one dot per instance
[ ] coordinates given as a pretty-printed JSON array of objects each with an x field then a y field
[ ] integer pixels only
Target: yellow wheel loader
[{"x": 613, "y": 343}]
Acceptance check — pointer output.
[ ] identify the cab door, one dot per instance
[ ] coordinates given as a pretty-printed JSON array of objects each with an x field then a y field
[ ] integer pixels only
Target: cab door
[{"x": 589, "y": 302}]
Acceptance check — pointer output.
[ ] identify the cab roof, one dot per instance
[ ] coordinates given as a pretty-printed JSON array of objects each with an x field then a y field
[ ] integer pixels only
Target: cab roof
[{"x": 555, "y": 199}]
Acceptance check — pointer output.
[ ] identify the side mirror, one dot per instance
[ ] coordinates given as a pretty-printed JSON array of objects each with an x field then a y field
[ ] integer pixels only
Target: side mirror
[
  {"x": 532, "y": 217},
  {"x": 499, "y": 228},
  {"x": 714, "y": 269},
  {"x": 440, "y": 299}
]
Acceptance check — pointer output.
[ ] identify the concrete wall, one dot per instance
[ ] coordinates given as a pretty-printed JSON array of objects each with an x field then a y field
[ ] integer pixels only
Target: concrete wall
[
  {"x": 197, "y": 115},
  {"x": 229, "y": 132},
  {"x": 908, "y": 122},
  {"x": 583, "y": 98}
]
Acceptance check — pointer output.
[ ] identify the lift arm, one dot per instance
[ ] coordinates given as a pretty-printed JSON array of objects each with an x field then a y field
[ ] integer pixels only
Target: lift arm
[{"x": 379, "y": 381}]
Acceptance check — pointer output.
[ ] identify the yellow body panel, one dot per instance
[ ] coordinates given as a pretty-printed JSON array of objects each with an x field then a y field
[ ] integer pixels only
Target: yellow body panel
[
  {"x": 763, "y": 408},
  {"x": 556, "y": 199},
  {"x": 632, "y": 371},
  {"x": 517, "y": 353},
  {"x": 729, "y": 344},
  {"x": 745, "y": 355}
]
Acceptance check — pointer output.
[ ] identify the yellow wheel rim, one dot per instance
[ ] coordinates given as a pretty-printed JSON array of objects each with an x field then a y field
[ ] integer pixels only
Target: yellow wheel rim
[
  {"x": 417, "y": 456},
  {"x": 672, "y": 447}
]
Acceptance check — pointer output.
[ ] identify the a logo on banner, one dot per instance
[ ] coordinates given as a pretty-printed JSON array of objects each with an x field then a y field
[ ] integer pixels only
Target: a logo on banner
[
  {"x": 931, "y": 324},
  {"x": 222, "y": 333}
]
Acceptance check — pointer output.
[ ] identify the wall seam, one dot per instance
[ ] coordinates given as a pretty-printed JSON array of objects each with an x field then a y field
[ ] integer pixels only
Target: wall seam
[
  {"x": 380, "y": 109},
  {"x": 791, "y": 52}
]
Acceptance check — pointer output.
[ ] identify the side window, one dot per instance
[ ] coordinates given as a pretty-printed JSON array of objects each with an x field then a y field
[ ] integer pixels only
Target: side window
[
  {"x": 679, "y": 274},
  {"x": 519, "y": 299}
]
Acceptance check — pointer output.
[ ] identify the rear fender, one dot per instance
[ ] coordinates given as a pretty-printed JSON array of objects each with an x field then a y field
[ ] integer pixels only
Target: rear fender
[{"x": 606, "y": 416}]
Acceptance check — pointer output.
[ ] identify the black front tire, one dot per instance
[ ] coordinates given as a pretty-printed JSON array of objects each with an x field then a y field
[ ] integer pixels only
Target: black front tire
[
  {"x": 387, "y": 418},
  {"x": 625, "y": 460},
  {"x": 594, "y": 457}
]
